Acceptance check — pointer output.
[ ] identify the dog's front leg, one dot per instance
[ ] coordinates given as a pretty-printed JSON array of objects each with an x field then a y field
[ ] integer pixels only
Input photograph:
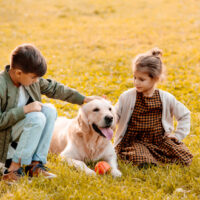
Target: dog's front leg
[
  {"x": 113, "y": 163},
  {"x": 111, "y": 158},
  {"x": 80, "y": 165}
]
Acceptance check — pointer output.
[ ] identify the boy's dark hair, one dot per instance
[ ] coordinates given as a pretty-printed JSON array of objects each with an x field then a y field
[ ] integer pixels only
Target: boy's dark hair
[{"x": 29, "y": 59}]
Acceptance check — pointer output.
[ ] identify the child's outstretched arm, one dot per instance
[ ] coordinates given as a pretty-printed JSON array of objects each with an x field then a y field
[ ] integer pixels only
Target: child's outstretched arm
[{"x": 55, "y": 90}]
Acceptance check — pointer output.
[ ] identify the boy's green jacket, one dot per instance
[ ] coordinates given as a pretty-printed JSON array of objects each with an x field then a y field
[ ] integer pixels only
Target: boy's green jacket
[{"x": 11, "y": 114}]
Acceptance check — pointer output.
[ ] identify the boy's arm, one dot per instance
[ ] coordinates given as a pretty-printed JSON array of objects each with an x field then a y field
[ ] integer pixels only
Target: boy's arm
[
  {"x": 8, "y": 119},
  {"x": 55, "y": 90}
]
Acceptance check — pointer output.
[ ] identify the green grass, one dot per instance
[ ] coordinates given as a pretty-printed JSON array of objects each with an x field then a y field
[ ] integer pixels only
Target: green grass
[{"x": 89, "y": 46}]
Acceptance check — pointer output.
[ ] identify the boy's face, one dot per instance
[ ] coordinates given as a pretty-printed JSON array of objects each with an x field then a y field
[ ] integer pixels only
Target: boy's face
[{"x": 25, "y": 79}]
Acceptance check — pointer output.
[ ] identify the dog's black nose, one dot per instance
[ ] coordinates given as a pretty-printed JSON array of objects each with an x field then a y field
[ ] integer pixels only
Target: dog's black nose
[{"x": 108, "y": 120}]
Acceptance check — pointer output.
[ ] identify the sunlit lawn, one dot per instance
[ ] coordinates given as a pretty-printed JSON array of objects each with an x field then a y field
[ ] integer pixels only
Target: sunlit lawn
[{"x": 89, "y": 46}]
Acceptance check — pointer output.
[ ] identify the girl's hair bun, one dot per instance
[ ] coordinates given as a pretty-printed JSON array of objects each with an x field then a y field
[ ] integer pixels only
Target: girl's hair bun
[{"x": 156, "y": 52}]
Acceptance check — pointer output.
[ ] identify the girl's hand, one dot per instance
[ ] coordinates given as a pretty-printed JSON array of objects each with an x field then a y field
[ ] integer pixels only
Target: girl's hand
[{"x": 170, "y": 135}]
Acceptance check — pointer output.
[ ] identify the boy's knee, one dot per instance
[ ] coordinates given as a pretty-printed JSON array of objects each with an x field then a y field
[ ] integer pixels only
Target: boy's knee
[
  {"x": 49, "y": 111},
  {"x": 36, "y": 118}
]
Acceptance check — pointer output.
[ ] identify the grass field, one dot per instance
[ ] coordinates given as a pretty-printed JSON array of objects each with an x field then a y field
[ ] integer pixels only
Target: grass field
[{"x": 89, "y": 46}]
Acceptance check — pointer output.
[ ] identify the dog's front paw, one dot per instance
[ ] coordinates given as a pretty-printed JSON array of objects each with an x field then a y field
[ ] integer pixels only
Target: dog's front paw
[
  {"x": 90, "y": 172},
  {"x": 116, "y": 173}
]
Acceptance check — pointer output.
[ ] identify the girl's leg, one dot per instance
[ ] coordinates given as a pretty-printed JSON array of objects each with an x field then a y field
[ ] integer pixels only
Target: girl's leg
[
  {"x": 138, "y": 154},
  {"x": 41, "y": 152}
]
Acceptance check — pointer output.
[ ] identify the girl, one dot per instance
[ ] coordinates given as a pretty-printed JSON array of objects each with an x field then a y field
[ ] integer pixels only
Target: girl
[{"x": 145, "y": 118}]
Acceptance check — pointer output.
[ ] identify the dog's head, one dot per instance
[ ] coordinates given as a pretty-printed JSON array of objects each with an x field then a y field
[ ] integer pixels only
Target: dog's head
[{"x": 98, "y": 115}]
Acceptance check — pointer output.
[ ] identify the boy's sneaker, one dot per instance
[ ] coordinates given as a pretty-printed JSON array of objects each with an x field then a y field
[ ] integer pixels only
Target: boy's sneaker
[
  {"x": 13, "y": 176},
  {"x": 38, "y": 169}
]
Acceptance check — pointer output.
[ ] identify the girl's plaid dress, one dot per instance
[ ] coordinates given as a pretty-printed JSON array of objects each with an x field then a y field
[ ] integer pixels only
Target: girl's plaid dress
[{"x": 144, "y": 140}]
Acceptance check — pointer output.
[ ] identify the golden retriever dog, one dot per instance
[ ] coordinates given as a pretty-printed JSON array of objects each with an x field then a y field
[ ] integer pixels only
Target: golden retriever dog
[{"x": 87, "y": 137}]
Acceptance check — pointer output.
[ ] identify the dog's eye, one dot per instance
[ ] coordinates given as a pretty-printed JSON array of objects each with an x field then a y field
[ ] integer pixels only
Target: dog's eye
[
  {"x": 96, "y": 110},
  {"x": 110, "y": 109}
]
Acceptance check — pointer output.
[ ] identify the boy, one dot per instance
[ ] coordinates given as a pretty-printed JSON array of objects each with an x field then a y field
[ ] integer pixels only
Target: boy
[{"x": 26, "y": 125}]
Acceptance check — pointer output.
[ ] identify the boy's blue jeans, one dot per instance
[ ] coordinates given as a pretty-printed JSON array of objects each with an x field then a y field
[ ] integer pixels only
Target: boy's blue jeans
[{"x": 33, "y": 135}]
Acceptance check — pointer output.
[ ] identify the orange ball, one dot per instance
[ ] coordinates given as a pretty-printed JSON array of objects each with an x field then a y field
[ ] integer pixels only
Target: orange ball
[{"x": 102, "y": 167}]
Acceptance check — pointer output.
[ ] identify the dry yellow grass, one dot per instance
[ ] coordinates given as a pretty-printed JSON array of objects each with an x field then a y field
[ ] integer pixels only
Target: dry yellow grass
[{"x": 89, "y": 46}]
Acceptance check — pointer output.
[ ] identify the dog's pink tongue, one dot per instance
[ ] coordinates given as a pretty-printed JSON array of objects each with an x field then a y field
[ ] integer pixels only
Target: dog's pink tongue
[{"x": 108, "y": 132}]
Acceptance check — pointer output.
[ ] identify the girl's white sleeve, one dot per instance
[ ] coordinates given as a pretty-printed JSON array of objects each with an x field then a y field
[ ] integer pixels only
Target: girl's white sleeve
[
  {"x": 182, "y": 115},
  {"x": 118, "y": 109}
]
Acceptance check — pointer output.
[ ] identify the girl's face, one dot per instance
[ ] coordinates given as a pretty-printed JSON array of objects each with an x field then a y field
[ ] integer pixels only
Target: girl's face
[{"x": 144, "y": 83}]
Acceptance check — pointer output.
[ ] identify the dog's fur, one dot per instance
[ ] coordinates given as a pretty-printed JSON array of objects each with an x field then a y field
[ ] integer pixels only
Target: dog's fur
[{"x": 78, "y": 140}]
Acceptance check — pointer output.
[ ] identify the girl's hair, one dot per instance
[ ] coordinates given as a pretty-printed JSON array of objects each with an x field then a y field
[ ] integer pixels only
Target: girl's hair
[{"x": 150, "y": 63}]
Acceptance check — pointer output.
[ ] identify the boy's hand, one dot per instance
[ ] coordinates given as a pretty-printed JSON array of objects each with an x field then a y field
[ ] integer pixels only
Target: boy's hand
[
  {"x": 90, "y": 98},
  {"x": 35, "y": 106}
]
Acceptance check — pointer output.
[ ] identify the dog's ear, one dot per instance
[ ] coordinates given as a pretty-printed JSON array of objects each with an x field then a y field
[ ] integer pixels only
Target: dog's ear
[{"x": 83, "y": 121}]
